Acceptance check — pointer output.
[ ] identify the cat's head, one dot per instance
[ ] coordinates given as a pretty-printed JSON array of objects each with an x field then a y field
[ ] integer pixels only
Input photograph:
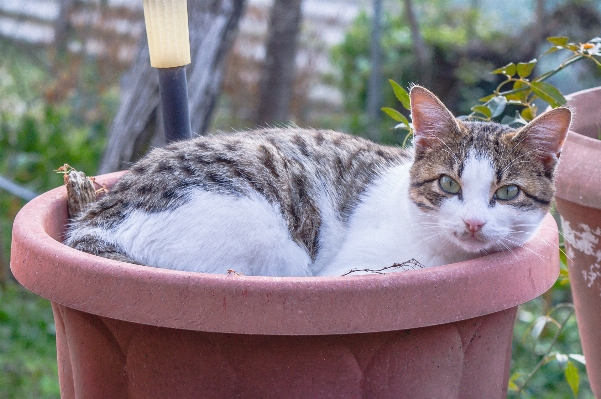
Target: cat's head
[{"x": 483, "y": 186}]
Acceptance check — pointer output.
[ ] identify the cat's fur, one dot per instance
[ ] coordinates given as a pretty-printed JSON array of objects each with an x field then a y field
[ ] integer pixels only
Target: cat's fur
[{"x": 294, "y": 202}]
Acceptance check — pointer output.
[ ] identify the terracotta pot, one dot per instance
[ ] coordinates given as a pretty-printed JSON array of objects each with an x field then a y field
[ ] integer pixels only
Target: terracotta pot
[
  {"x": 579, "y": 204},
  {"x": 133, "y": 331}
]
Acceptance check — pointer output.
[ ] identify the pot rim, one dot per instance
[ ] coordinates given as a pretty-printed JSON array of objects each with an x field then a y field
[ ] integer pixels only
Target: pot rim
[{"x": 271, "y": 305}]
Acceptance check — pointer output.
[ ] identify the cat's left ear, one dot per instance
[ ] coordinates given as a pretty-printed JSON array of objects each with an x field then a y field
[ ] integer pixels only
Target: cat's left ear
[
  {"x": 546, "y": 133},
  {"x": 432, "y": 121}
]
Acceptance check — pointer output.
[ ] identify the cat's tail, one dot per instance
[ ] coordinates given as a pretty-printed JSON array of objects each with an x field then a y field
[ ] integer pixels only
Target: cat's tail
[{"x": 81, "y": 193}]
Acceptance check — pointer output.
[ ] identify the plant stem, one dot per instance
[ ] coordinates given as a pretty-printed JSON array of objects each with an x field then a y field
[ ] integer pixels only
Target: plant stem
[
  {"x": 543, "y": 77},
  {"x": 546, "y": 358},
  {"x": 574, "y": 58}
]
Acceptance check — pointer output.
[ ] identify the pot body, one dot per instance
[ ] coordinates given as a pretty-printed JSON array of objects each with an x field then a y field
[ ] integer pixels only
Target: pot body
[
  {"x": 578, "y": 201},
  {"x": 101, "y": 358},
  {"x": 131, "y": 331}
]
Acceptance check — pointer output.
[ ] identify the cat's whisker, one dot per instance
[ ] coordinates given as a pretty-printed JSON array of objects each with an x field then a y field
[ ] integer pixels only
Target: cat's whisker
[
  {"x": 518, "y": 244},
  {"x": 433, "y": 222},
  {"x": 506, "y": 248},
  {"x": 424, "y": 225},
  {"x": 430, "y": 238},
  {"x": 548, "y": 242},
  {"x": 539, "y": 226},
  {"x": 447, "y": 242},
  {"x": 419, "y": 234}
]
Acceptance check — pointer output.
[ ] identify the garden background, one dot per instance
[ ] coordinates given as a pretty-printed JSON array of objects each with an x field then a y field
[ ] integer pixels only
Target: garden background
[{"x": 66, "y": 64}]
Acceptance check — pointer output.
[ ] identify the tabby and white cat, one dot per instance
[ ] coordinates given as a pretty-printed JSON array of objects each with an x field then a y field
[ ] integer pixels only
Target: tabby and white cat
[{"x": 294, "y": 202}]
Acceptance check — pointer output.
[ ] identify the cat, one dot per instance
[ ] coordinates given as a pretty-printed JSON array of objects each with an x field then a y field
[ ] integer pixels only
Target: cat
[{"x": 296, "y": 202}]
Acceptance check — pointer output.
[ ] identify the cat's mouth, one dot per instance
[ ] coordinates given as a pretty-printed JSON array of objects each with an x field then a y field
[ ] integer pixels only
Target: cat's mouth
[{"x": 471, "y": 242}]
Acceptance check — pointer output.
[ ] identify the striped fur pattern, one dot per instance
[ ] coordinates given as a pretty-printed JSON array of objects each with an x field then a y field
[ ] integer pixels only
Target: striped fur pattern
[{"x": 304, "y": 202}]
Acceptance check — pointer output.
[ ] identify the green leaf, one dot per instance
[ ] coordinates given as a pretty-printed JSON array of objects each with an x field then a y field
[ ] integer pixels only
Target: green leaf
[
  {"x": 482, "y": 109},
  {"x": 529, "y": 113},
  {"x": 562, "y": 359},
  {"x": 539, "y": 325},
  {"x": 578, "y": 358},
  {"x": 487, "y": 98},
  {"x": 511, "y": 120},
  {"x": 512, "y": 386},
  {"x": 394, "y": 114},
  {"x": 548, "y": 93},
  {"x": 512, "y": 99},
  {"x": 525, "y": 68},
  {"x": 509, "y": 70},
  {"x": 558, "y": 40},
  {"x": 521, "y": 95},
  {"x": 401, "y": 94},
  {"x": 552, "y": 50},
  {"x": 572, "y": 377},
  {"x": 404, "y": 125},
  {"x": 497, "y": 105},
  {"x": 572, "y": 47}
]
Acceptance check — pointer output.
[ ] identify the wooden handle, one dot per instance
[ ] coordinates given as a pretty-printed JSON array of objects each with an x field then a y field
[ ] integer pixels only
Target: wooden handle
[{"x": 167, "y": 30}]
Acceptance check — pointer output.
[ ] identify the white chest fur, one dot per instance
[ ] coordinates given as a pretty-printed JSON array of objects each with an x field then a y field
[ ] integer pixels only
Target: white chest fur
[{"x": 386, "y": 228}]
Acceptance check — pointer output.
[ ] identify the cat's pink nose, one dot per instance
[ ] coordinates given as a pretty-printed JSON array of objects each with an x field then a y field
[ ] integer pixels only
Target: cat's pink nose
[{"x": 473, "y": 225}]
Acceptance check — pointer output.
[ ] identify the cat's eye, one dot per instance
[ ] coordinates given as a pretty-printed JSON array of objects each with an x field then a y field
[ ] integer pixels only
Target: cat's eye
[
  {"x": 508, "y": 192},
  {"x": 449, "y": 185}
]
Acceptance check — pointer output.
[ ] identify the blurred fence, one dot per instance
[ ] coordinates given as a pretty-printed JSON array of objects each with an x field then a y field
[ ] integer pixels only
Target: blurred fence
[{"x": 111, "y": 29}]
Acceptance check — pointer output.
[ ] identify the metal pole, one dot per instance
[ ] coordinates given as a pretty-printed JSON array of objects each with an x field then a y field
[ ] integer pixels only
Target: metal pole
[
  {"x": 169, "y": 49},
  {"x": 173, "y": 88}
]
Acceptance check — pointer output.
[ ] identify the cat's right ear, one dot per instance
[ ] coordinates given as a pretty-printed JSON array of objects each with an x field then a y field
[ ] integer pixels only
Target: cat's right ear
[
  {"x": 546, "y": 133},
  {"x": 432, "y": 121}
]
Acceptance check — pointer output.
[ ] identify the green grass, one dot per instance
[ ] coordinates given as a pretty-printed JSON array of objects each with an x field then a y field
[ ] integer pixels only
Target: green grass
[
  {"x": 547, "y": 353},
  {"x": 45, "y": 120},
  {"x": 28, "y": 367}
]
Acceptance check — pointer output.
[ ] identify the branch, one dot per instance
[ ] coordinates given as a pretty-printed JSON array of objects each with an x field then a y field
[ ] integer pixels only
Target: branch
[{"x": 16, "y": 190}]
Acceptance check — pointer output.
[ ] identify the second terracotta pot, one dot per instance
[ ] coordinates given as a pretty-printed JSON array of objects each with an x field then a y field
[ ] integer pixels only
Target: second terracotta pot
[{"x": 579, "y": 203}]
